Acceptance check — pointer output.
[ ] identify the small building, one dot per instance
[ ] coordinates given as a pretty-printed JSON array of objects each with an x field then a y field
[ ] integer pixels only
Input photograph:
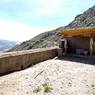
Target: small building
[{"x": 79, "y": 41}]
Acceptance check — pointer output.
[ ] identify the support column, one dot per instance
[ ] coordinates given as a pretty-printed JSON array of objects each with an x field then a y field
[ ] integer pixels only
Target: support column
[
  {"x": 91, "y": 46},
  {"x": 60, "y": 50},
  {"x": 62, "y": 47},
  {"x": 65, "y": 46}
]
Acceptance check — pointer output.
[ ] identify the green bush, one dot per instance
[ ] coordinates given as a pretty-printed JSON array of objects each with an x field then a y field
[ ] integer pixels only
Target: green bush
[{"x": 47, "y": 88}]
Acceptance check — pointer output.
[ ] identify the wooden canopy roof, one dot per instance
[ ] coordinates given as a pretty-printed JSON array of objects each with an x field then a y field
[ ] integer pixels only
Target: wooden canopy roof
[{"x": 83, "y": 32}]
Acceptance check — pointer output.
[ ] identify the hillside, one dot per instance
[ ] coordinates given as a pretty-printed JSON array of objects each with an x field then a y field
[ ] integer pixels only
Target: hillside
[
  {"x": 87, "y": 19},
  {"x": 50, "y": 38},
  {"x": 46, "y": 39}
]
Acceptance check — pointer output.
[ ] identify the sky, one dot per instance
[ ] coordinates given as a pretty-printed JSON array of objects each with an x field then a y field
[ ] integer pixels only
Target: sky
[{"x": 21, "y": 20}]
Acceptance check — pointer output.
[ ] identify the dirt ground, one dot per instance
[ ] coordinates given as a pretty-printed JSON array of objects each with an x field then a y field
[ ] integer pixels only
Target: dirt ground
[{"x": 62, "y": 76}]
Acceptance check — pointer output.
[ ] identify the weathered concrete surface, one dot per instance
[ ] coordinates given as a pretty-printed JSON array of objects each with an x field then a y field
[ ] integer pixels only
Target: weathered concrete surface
[
  {"x": 65, "y": 77},
  {"x": 18, "y": 60},
  {"x": 79, "y": 43}
]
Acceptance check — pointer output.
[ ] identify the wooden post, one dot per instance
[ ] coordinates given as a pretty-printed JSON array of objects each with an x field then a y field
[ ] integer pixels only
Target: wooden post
[
  {"x": 62, "y": 47},
  {"x": 65, "y": 46},
  {"x": 91, "y": 46},
  {"x": 60, "y": 50}
]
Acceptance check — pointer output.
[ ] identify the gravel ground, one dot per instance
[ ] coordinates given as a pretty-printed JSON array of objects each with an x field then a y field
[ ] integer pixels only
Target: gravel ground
[{"x": 62, "y": 78}]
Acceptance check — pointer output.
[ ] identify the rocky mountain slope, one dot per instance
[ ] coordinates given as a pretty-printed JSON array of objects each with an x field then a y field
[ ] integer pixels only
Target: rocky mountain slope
[
  {"x": 87, "y": 19},
  {"x": 48, "y": 39}
]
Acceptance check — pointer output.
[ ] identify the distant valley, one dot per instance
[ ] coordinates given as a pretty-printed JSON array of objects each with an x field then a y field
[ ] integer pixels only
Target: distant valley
[{"x": 6, "y": 45}]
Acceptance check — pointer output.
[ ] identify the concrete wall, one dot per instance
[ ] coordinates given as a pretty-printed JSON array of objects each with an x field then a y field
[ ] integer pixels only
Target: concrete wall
[
  {"x": 94, "y": 46},
  {"x": 79, "y": 43},
  {"x": 18, "y": 60}
]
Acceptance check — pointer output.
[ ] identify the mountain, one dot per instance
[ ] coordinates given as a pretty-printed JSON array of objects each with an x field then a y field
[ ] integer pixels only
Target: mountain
[
  {"x": 87, "y": 19},
  {"x": 50, "y": 38},
  {"x": 46, "y": 39},
  {"x": 6, "y": 45}
]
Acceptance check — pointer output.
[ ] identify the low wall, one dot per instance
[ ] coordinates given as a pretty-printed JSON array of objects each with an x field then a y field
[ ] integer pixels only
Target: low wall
[{"x": 14, "y": 61}]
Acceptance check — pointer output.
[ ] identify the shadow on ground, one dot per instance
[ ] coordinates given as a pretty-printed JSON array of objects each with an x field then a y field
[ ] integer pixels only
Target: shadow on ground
[{"x": 80, "y": 59}]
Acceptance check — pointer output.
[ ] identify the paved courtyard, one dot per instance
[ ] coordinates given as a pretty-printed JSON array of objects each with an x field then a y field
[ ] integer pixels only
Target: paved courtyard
[{"x": 61, "y": 77}]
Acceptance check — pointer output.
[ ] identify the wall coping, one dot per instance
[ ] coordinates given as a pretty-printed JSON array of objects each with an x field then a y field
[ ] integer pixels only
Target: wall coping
[{"x": 23, "y": 52}]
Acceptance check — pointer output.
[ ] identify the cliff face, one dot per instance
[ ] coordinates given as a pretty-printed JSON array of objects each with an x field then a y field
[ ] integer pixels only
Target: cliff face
[{"x": 50, "y": 38}]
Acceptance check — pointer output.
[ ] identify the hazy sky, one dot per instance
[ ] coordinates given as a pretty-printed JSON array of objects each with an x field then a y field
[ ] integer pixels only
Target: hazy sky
[{"x": 23, "y": 19}]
